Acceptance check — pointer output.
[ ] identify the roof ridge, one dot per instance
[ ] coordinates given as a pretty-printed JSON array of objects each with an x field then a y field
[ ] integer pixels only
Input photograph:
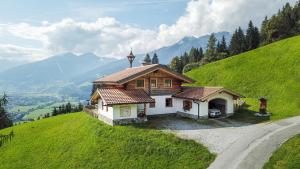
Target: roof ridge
[{"x": 142, "y": 66}]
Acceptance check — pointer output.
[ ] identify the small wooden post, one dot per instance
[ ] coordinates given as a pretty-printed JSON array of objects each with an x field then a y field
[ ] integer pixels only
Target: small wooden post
[{"x": 145, "y": 109}]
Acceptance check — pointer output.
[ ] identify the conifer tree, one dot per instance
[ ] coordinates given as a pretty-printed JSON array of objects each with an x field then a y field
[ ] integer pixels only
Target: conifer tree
[
  {"x": 68, "y": 107},
  {"x": 219, "y": 47},
  {"x": 80, "y": 106},
  {"x": 264, "y": 36},
  {"x": 184, "y": 59},
  {"x": 211, "y": 51},
  {"x": 176, "y": 64},
  {"x": 155, "y": 59},
  {"x": 4, "y": 119},
  {"x": 238, "y": 42},
  {"x": 252, "y": 37},
  {"x": 223, "y": 45},
  {"x": 147, "y": 60},
  {"x": 54, "y": 112},
  {"x": 201, "y": 55},
  {"x": 193, "y": 55},
  {"x": 242, "y": 40}
]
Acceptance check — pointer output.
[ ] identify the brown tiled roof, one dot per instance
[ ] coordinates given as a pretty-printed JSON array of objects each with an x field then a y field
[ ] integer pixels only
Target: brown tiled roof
[
  {"x": 201, "y": 93},
  {"x": 135, "y": 72},
  {"x": 121, "y": 96}
]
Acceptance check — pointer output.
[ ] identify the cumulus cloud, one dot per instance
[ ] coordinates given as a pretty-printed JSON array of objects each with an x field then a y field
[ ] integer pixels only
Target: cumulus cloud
[
  {"x": 109, "y": 38},
  {"x": 207, "y": 16},
  {"x": 106, "y": 37}
]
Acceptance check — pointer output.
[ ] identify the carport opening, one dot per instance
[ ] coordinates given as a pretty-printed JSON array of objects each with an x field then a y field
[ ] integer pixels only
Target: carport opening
[{"x": 219, "y": 104}]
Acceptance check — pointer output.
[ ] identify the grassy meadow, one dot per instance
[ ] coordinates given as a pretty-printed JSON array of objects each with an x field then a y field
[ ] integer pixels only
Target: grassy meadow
[
  {"x": 272, "y": 71},
  {"x": 287, "y": 156},
  {"x": 80, "y": 141}
]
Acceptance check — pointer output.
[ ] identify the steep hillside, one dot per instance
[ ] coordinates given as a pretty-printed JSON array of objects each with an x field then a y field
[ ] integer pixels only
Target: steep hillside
[
  {"x": 272, "y": 71},
  {"x": 80, "y": 141}
]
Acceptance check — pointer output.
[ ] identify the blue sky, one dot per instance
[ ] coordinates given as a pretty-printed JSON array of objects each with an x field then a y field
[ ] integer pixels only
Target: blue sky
[
  {"x": 33, "y": 30},
  {"x": 145, "y": 14}
]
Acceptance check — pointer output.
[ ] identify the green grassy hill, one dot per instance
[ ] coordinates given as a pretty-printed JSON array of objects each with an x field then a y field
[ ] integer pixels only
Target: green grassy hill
[
  {"x": 272, "y": 71},
  {"x": 80, "y": 141},
  {"x": 287, "y": 156}
]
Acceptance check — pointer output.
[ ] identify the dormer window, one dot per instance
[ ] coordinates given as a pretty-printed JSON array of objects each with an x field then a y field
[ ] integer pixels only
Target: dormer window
[
  {"x": 140, "y": 83},
  {"x": 168, "y": 83}
]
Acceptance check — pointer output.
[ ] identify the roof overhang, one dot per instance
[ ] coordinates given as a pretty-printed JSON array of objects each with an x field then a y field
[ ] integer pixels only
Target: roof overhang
[
  {"x": 222, "y": 90},
  {"x": 121, "y": 97},
  {"x": 206, "y": 97}
]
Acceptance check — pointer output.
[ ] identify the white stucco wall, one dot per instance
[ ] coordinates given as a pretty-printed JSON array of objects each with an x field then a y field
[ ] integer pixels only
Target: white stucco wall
[
  {"x": 116, "y": 111},
  {"x": 108, "y": 114},
  {"x": 160, "y": 106},
  {"x": 179, "y": 107},
  {"x": 204, "y": 105},
  {"x": 113, "y": 112}
]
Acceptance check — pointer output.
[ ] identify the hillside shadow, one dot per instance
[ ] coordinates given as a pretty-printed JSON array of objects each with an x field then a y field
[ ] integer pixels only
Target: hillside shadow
[{"x": 244, "y": 114}]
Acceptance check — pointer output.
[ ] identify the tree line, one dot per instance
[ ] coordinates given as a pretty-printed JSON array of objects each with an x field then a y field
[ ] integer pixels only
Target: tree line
[
  {"x": 65, "y": 109},
  {"x": 4, "y": 119},
  {"x": 148, "y": 60},
  {"x": 284, "y": 24}
]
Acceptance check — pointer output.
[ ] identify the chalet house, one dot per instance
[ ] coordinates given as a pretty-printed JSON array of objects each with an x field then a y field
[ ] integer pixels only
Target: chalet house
[{"x": 136, "y": 93}]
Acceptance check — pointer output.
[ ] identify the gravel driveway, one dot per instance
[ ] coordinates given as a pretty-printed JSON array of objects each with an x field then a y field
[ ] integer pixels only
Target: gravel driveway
[
  {"x": 238, "y": 145},
  {"x": 215, "y": 134}
]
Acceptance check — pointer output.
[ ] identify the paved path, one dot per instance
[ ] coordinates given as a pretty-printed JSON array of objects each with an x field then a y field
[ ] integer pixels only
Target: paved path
[
  {"x": 238, "y": 145},
  {"x": 253, "y": 150}
]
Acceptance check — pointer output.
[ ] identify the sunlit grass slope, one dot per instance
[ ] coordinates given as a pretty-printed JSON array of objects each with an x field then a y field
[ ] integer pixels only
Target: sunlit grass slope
[
  {"x": 272, "y": 71},
  {"x": 287, "y": 156},
  {"x": 80, "y": 141}
]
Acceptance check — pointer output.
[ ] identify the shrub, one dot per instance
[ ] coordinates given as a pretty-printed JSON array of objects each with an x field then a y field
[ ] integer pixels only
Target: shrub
[{"x": 191, "y": 66}]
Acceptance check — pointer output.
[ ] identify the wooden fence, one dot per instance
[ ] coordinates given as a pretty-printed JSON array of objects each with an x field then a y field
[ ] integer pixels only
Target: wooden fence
[{"x": 5, "y": 138}]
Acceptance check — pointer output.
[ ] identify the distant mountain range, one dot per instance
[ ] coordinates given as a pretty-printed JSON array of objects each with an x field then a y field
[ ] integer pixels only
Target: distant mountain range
[
  {"x": 7, "y": 64},
  {"x": 70, "y": 74}
]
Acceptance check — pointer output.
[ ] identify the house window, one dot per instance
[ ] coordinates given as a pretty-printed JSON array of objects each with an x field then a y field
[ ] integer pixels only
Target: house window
[
  {"x": 125, "y": 111},
  {"x": 169, "y": 102},
  {"x": 140, "y": 83},
  {"x": 153, "y": 83},
  {"x": 152, "y": 104},
  {"x": 168, "y": 83},
  {"x": 187, "y": 105},
  {"x": 102, "y": 105}
]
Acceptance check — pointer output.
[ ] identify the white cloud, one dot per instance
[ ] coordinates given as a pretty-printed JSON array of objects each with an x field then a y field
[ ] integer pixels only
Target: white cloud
[
  {"x": 108, "y": 37},
  {"x": 206, "y": 16},
  {"x": 12, "y": 52}
]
